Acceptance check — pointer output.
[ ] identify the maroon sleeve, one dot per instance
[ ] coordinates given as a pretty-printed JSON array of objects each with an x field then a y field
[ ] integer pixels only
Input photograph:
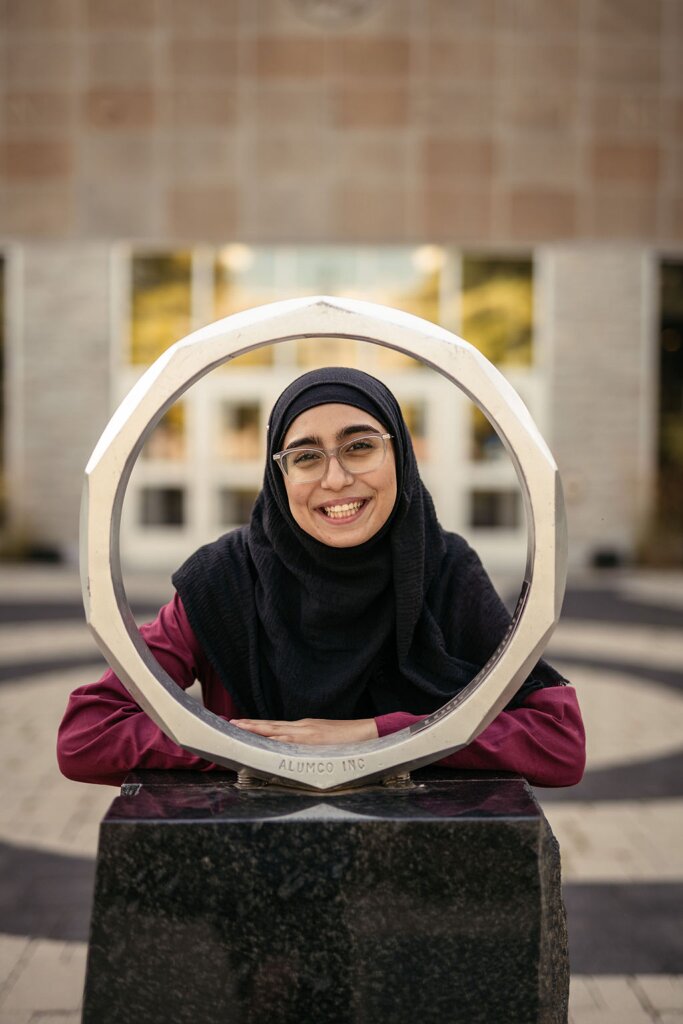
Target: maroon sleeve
[
  {"x": 543, "y": 740},
  {"x": 104, "y": 734}
]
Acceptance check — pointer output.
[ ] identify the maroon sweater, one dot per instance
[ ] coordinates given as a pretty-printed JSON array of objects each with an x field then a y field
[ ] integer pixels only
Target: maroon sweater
[{"x": 104, "y": 734}]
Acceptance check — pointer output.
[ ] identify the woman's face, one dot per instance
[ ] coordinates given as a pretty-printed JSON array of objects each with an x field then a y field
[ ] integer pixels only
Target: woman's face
[{"x": 318, "y": 506}]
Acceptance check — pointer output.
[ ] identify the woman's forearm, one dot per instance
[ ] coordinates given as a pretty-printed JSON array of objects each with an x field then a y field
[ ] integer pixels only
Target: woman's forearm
[
  {"x": 544, "y": 740},
  {"x": 104, "y": 734}
]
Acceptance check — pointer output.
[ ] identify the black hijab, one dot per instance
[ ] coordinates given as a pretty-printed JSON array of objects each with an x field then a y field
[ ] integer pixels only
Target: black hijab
[{"x": 296, "y": 628}]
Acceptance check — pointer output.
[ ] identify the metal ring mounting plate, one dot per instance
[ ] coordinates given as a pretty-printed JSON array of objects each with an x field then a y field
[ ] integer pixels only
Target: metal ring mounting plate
[{"x": 108, "y": 614}]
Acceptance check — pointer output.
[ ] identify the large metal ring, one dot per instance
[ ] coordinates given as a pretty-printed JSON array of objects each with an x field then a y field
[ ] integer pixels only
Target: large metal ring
[{"x": 109, "y": 616}]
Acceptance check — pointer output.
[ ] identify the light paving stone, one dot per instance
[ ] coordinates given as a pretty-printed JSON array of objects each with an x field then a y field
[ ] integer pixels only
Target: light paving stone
[
  {"x": 29, "y": 583},
  {"x": 640, "y": 645},
  {"x": 12, "y": 948},
  {"x": 614, "y": 993},
  {"x": 627, "y": 719},
  {"x": 630, "y": 841},
  {"x": 582, "y": 995},
  {"x": 661, "y": 991},
  {"x": 654, "y": 588},
  {"x": 610, "y": 1017},
  {"x": 41, "y": 808},
  {"x": 51, "y": 978}
]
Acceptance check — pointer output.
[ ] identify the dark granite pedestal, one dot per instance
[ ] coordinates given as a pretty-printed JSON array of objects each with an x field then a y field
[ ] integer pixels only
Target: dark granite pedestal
[{"x": 439, "y": 903}]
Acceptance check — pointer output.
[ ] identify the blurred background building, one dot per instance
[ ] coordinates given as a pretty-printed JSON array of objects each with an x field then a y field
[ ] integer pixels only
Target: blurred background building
[{"x": 511, "y": 169}]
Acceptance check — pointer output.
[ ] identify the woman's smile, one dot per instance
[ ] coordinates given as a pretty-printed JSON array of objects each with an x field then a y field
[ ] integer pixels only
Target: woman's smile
[{"x": 345, "y": 511}]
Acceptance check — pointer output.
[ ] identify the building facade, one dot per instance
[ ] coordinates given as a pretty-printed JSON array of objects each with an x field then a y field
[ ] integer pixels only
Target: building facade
[{"x": 508, "y": 168}]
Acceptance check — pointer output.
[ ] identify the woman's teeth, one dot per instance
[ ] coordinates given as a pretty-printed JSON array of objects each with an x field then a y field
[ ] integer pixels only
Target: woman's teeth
[{"x": 342, "y": 511}]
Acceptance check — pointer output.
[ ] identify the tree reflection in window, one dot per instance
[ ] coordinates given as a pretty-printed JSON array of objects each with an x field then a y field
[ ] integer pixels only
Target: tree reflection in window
[
  {"x": 239, "y": 436},
  {"x": 415, "y": 415},
  {"x": 497, "y": 308},
  {"x": 243, "y": 277},
  {"x": 486, "y": 445},
  {"x": 168, "y": 440},
  {"x": 161, "y": 303}
]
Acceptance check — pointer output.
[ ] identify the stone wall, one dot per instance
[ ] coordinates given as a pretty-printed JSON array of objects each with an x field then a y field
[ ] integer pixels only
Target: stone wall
[
  {"x": 602, "y": 391},
  {"x": 486, "y": 121},
  {"x": 59, "y": 399}
]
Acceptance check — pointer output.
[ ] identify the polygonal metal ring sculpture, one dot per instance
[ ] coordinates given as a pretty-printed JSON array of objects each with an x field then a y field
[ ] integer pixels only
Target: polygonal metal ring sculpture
[{"x": 459, "y": 721}]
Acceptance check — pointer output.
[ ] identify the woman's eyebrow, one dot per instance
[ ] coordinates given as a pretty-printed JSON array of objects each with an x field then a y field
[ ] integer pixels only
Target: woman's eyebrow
[
  {"x": 305, "y": 442},
  {"x": 355, "y": 428}
]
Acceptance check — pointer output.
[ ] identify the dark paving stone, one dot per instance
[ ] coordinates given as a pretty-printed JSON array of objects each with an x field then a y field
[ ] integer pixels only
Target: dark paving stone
[
  {"x": 58, "y": 611},
  {"x": 599, "y": 604},
  {"x": 45, "y": 895},
  {"x": 666, "y": 677},
  {"x": 39, "y": 611},
  {"x": 606, "y": 604},
  {"x": 642, "y": 780},
  {"x": 629, "y": 928}
]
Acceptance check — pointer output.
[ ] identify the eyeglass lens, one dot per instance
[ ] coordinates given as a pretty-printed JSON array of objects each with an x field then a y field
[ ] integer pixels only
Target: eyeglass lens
[{"x": 361, "y": 455}]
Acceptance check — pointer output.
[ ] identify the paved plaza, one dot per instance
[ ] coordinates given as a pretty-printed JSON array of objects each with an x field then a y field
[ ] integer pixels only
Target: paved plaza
[{"x": 620, "y": 831}]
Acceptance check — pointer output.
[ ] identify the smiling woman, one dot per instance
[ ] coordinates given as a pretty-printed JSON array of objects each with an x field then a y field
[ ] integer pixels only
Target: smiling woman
[{"x": 341, "y": 612}]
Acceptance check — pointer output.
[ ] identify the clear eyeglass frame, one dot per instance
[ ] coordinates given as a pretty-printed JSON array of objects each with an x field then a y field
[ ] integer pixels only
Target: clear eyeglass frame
[{"x": 337, "y": 452}]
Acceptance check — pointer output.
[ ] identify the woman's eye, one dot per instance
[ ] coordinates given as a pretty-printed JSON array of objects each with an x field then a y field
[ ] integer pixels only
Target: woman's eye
[
  {"x": 306, "y": 458},
  {"x": 364, "y": 444}
]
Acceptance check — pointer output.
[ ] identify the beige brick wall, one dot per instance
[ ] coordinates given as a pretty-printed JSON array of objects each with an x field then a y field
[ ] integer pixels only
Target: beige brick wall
[{"x": 488, "y": 121}]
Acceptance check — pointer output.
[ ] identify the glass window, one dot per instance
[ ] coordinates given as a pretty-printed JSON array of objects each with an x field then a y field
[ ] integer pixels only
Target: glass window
[
  {"x": 495, "y": 509},
  {"x": 405, "y": 278},
  {"x": 168, "y": 440},
  {"x": 666, "y": 543},
  {"x": 239, "y": 436},
  {"x": 415, "y": 415},
  {"x": 412, "y": 282},
  {"x": 161, "y": 303},
  {"x": 235, "y": 505},
  {"x": 497, "y": 308},
  {"x": 486, "y": 445},
  {"x": 162, "y": 506},
  {"x": 243, "y": 277}
]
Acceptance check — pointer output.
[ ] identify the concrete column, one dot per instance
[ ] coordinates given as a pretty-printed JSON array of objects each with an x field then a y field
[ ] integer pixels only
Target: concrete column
[
  {"x": 59, "y": 385},
  {"x": 597, "y": 317}
]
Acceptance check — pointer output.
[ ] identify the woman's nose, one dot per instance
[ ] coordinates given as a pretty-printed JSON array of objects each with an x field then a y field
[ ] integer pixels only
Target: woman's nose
[{"x": 335, "y": 476}]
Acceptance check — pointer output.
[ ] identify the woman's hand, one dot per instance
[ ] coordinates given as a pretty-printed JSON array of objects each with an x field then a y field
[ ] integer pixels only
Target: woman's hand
[{"x": 311, "y": 730}]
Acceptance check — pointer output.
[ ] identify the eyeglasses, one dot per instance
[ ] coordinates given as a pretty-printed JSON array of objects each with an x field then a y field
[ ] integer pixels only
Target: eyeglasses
[{"x": 360, "y": 455}]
